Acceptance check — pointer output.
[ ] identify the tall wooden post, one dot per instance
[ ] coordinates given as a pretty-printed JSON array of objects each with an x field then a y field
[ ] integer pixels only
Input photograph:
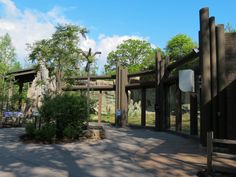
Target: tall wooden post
[
  {"x": 157, "y": 91},
  {"x": 205, "y": 74},
  {"x": 20, "y": 98},
  {"x": 193, "y": 114},
  {"x": 178, "y": 125},
  {"x": 143, "y": 107},
  {"x": 220, "y": 44},
  {"x": 214, "y": 123},
  {"x": 99, "y": 107},
  {"x": 121, "y": 95}
]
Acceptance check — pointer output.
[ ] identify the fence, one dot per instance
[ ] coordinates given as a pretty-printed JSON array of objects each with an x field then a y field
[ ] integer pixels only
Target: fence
[{"x": 211, "y": 153}]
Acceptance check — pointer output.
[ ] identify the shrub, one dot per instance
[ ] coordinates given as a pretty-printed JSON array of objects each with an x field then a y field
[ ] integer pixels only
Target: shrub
[
  {"x": 72, "y": 132},
  {"x": 48, "y": 132},
  {"x": 30, "y": 129},
  {"x": 64, "y": 110}
]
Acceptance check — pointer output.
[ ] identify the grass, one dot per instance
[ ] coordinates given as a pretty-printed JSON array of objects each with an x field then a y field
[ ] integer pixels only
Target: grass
[{"x": 150, "y": 120}]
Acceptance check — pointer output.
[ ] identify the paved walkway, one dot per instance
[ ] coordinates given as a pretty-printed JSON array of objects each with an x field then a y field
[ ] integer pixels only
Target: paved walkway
[{"x": 125, "y": 152}]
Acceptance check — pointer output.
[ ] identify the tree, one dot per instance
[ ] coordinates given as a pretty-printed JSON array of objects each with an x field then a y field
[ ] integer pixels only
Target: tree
[
  {"x": 133, "y": 53},
  {"x": 229, "y": 28},
  {"x": 179, "y": 46},
  {"x": 60, "y": 53},
  {"x": 7, "y": 63}
]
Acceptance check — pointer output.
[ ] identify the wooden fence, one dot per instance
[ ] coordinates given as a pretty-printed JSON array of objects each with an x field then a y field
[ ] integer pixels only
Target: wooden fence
[{"x": 210, "y": 150}]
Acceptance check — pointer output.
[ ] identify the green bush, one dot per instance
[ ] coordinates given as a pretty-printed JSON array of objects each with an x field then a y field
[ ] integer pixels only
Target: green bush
[
  {"x": 30, "y": 129},
  {"x": 64, "y": 110},
  {"x": 72, "y": 132},
  {"x": 48, "y": 132}
]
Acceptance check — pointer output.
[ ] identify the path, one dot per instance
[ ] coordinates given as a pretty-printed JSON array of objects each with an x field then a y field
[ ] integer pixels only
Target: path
[{"x": 125, "y": 152}]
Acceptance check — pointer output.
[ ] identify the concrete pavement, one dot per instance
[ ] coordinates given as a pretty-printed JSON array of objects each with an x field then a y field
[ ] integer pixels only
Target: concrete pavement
[{"x": 125, "y": 152}]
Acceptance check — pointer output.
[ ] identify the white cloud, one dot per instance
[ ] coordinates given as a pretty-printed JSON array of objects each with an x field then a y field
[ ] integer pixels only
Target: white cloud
[
  {"x": 107, "y": 44},
  {"x": 27, "y": 26}
]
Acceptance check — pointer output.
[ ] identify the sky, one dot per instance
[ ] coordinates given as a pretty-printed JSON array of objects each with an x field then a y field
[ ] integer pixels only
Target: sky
[{"x": 109, "y": 21}]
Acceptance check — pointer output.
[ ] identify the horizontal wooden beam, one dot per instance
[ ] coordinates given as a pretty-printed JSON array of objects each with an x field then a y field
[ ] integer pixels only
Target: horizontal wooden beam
[
  {"x": 141, "y": 73},
  {"x": 103, "y": 77},
  {"x": 92, "y": 88},
  {"x": 140, "y": 85},
  {"x": 224, "y": 141}
]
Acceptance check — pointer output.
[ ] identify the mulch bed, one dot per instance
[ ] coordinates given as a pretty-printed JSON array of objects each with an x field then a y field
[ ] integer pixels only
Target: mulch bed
[{"x": 215, "y": 174}]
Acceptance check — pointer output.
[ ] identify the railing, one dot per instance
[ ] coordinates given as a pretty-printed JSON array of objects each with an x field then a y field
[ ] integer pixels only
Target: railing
[{"x": 211, "y": 153}]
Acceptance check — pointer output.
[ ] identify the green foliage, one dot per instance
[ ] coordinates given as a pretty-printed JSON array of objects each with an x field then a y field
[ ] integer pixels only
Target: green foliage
[
  {"x": 48, "y": 132},
  {"x": 179, "y": 46},
  {"x": 133, "y": 53},
  {"x": 60, "y": 53},
  {"x": 229, "y": 28},
  {"x": 64, "y": 110},
  {"x": 30, "y": 130},
  {"x": 72, "y": 131}
]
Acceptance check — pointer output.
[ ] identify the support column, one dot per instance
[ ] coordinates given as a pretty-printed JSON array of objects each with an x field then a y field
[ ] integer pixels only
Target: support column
[
  {"x": 157, "y": 93},
  {"x": 214, "y": 123},
  {"x": 143, "y": 107},
  {"x": 193, "y": 114},
  {"x": 20, "y": 98},
  {"x": 205, "y": 74},
  {"x": 121, "y": 95},
  {"x": 99, "y": 107},
  {"x": 220, "y": 45},
  {"x": 178, "y": 125}
]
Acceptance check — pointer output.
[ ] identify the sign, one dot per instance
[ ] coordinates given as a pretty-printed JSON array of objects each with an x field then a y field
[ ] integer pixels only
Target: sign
[
  {"x": 186, "y": 80},
  {"x": 118, "y": 113}
]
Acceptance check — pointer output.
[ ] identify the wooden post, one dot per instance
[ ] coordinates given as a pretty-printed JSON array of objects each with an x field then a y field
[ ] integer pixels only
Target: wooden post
[
  {"x": 193, "y": 114},
  {"x": 178, "y": 125},
  {"x": 157, "y": 90},
  {"x": 214, "y": 123},
  {"x": 220, "y": 44},
  {"x": 205, "y": 74},
  {"x": 99, "y": 107},
  {"x": 143, "y": 107},
  {"x": 209, "y": 151},
  {"x": 124, "y": 97},
  {"x": 121, "y": 95},
  {"x": 20, "y": 98}
]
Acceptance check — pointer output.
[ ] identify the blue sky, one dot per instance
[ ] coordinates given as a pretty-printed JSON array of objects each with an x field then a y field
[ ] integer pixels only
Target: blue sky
[{"x": 109, "y": 21}]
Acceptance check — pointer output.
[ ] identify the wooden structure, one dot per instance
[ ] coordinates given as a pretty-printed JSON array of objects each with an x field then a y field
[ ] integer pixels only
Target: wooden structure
[
  {"x": 215, "y": 76},
  {"x": 211, "y": 153}
]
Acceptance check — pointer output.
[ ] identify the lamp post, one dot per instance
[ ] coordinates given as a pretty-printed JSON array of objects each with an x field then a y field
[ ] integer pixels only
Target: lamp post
[{"x": 90, "y": 58}]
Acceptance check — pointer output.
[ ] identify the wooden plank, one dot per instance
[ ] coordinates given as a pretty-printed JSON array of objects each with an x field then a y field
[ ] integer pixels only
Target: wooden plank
[
  {"x": 92, "y": 78},
  {"x": 209, "y": 151},
  {"x": 224, "y": 141},
  {"x": 140, "y": 85},
  {"x": 92, "y": 88},
  {"x": 224, "y": 155},
  {"x": 143, "y": 108},
  {"x": 141, "y": 73}
]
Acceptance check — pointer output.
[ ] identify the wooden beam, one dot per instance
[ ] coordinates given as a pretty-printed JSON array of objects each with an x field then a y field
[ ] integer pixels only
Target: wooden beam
[
  {"x": 143, "y": 108},
  {"x": 193, "y": 114},
  {"x": 92, "y": 88},
  {"x": 214, "y": 121},
  {"x": 140, "y": 85},
  {"x": 205, "y": 74},
  {"x": 220, "y": 54},
  {"x": 99, "y": 107},
  {"x": 178, "y": 118},
  {"x": 103, "y": 77},
  {"x": 141, "y": 73}
]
